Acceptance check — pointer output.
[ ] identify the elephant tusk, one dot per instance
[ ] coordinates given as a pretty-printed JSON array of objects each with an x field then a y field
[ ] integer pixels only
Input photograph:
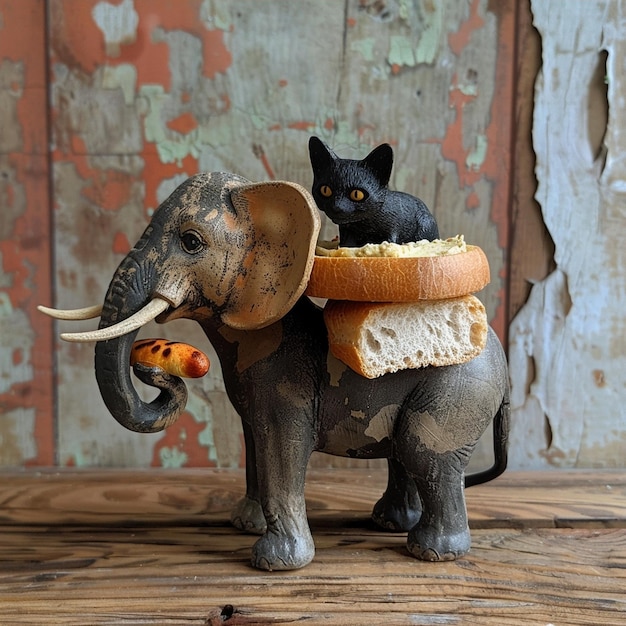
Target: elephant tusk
[
  {"x": 135, "y": 321},
  {"x": 89, "y": 312}
]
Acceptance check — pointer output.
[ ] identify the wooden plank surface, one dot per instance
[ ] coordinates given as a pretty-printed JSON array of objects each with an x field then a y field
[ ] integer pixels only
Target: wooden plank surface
[
  {"x": 187, "y": 497},
  {"x": 155, "y": 547}
]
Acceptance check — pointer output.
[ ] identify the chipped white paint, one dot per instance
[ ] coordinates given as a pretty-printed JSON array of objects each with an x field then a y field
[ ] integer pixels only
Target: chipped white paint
[
  {"x": 364, "y": 47},
  {"x": 476, "y": 157},
  {"x": 172, "y": 458},
  {"x": 381, "y": 425},
  {"x": 215, "y": 14},
  {"x": 16, "y": 346},
  {"x": 168, "y": 185},
  {"x": 17, "y": 437},
  {"x": 122, "y": 76},
  {"x": 172, "y": 147},
  {"x": 568, "y": 344},
  {"x": 117, "y": 23},
  {"x": 424, "y": 21},
  {"x": 335, "y": 369},
  {"x": 11, "y": 91},
  {"x": 613, "y": 179}
]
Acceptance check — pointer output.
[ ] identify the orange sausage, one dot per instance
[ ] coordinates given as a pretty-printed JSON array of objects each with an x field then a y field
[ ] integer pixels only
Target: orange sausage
[{"x": 179, "y": 359}]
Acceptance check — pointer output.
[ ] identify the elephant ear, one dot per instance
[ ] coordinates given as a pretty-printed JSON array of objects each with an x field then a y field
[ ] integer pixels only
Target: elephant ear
[{"x": 285, "y": 224}]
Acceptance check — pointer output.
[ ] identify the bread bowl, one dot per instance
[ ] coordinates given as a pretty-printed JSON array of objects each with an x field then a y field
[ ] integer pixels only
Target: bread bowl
[
  {"x": 176, "y": 358},
  {"x": 436, "y": 270}
]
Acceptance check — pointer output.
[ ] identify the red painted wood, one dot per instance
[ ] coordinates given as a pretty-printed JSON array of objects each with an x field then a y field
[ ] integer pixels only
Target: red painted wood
[
  {"x": 108, "y": 190},
  {"x": 25, "y": 247}
]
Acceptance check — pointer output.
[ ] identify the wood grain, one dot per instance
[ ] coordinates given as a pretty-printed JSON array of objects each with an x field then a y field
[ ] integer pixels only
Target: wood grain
[
  {"x": 531, "y": 248},
  {"x": 143, "y": 94},
  {"x": 118, "y": 497},
  {"x": 156, "y": 548},
  {"x": 567, "y": 344},
  {"x": 26, "y": 340}
]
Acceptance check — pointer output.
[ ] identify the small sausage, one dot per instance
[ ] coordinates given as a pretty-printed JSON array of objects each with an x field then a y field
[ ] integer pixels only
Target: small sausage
[{"x": 179, "y": 359}]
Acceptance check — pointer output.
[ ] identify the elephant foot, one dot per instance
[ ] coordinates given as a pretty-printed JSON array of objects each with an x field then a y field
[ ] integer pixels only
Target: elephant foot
[
  {"x": 273, "y": 552},
  {"x": 248, "y": 516},
  {"x": 396, "y": 518},
  {"x": 427, "y": 544}
]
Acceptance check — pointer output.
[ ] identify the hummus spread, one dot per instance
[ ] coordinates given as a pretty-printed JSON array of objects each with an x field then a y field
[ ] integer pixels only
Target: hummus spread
[{"x": 438, "y": 247}]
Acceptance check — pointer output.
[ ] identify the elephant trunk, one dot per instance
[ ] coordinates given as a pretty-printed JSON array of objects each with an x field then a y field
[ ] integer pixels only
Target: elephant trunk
[{"x": 129, "y": 292}]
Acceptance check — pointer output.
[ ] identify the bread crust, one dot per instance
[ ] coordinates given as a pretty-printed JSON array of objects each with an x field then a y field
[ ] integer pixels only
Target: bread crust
[{"x": 392, "y": 279}]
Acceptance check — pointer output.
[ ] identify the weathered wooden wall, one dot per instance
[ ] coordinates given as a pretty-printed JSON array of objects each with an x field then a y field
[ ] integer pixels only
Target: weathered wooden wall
[
  {"x": 568, "y": 343},
  {"x": 143, "y": 93},
  {"x": 26, "y": 348}
]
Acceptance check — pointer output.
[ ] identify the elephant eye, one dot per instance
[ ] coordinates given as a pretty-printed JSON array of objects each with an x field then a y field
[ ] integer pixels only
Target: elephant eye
[{"x": 191, "y": 242}]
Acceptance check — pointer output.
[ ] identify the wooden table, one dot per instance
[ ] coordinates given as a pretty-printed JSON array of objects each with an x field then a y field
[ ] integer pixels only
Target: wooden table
[{"x": 155, "y": 547}]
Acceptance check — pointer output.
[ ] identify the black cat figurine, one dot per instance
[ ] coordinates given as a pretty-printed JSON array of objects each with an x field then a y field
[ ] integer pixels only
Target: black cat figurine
[{"x": 355, "y": 196}]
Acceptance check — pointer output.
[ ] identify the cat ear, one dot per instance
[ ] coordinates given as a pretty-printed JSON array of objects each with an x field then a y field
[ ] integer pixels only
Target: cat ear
[
  {"x": 321, "y": 155},
  {"x": 380, "y": 161}
]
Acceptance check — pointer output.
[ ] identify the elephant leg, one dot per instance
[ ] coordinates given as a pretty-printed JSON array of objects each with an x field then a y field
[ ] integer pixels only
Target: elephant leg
[
  {"x": 248, "y": 513},
  {"x": 442, "y": 533},
  {"x": 399, "y": 508},
  {"x": 287, "y": 446}
]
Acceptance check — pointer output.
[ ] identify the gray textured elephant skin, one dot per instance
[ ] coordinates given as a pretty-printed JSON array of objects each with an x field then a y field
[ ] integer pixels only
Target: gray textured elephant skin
[{"x": 221, "y": 251}]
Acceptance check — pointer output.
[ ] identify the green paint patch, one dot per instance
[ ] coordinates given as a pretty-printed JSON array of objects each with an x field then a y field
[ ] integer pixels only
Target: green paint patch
[
  {"x": 172, "y": 458},
  {"x": 468, "y": 90},
  {"x": 216, "y": 15},
  {"x": 122, "y": 76},
  {"x": 171, "y": 147},
  {"x": 411, "y": 51},
  {"x": 202, "y": 413},
  {"x": 364, "y": 47},
  {"x": 428, "y": 41},
  {"x": 476, "y": 157},
  {"x": 401, "y": 51},
  {"x": 259, "y": 121}
]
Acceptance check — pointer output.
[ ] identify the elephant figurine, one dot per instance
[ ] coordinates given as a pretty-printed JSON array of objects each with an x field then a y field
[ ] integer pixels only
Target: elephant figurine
[{"x": 235, "y": 256}]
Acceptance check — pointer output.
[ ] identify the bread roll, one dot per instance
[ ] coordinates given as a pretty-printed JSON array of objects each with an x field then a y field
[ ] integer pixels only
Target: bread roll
[
  {"x": 179, "y": 359},
  {"x": 399, "y": 279},
  {"x": 374, "y": 339}
]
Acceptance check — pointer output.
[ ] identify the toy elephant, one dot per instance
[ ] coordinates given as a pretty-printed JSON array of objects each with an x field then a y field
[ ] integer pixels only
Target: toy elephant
[{"x": 235, "y": 256}]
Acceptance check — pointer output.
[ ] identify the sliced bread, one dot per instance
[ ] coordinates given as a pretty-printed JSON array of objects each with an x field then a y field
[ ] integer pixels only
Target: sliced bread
[{"x": 375, "y": 339}]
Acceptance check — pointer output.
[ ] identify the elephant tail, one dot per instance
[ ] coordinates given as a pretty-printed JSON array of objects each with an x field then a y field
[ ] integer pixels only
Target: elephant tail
[{"x": 501, "y": 423}]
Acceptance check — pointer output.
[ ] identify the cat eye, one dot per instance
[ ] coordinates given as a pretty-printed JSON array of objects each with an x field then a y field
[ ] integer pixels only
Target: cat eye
[
  {"x": 357, "y": 195},
  {"x": 326, "y": 191}
]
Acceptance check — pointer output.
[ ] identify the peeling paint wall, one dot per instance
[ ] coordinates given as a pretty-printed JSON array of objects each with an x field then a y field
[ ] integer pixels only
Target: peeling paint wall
[
  {"x": 568, "y": 343},
  {"x": 132, "y": 96},
  {"x": 26, "y": 354},
  {"x": 144, "y": 93}
]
